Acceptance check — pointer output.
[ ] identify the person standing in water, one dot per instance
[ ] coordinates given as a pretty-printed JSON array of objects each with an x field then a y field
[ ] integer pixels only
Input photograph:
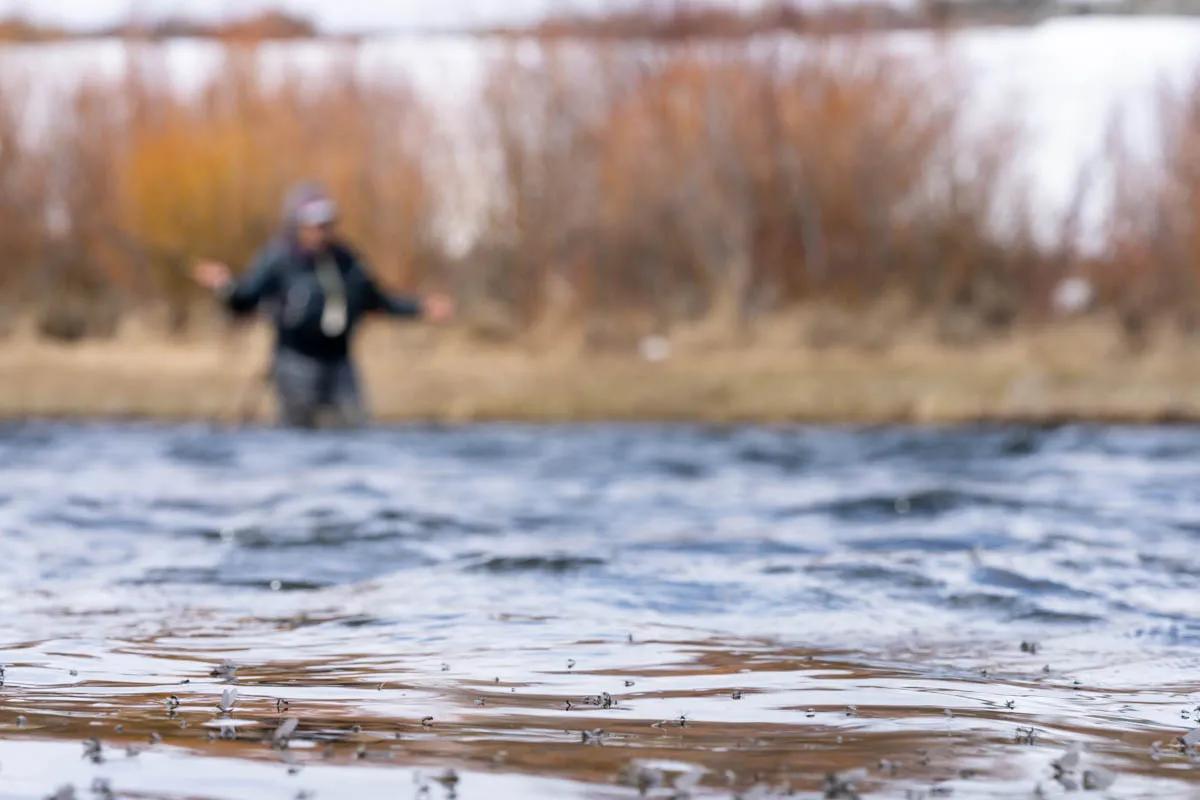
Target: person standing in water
[{"x": 319, "y": 290}]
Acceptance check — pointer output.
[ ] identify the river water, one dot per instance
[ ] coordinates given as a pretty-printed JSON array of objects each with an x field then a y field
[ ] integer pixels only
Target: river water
[{"x": 594, "y": 611}]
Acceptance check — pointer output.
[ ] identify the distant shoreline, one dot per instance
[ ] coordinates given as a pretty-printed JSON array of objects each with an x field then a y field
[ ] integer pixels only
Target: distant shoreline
[{"x": 1063, "y": 373}]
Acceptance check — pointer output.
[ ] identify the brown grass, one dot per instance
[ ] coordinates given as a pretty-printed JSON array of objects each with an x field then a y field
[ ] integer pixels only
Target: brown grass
[
  {"x": 136, "y": 182},
  {"x": 696, "y": 181},
  {"x": 635, "y": 189},
  {"x": 1149, "y": 269},
  {"x": 686, "y": 20},
  {"x": 1081, "y": 370},
  {"x": 254, "y": 27}
]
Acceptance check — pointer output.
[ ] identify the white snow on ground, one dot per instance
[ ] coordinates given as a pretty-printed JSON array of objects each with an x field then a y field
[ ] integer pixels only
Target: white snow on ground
[{"x": 1063, "y": 81}]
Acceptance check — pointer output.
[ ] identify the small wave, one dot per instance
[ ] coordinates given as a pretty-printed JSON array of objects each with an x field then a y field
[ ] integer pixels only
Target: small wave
[
  {"x": 785, "y": 459},
  {"x": 487, "y": 450},
  {"x": 186, "y": 504},
  {"x": 678, "y": 468},
  {"x": 360, "y": 488},
  {"x": 1020, "y": 443},
  {"x": 95, "y": 522},
  {"x": 206, "y": 452},
  {"x": 551, "y": 564},
  {"x": 987, "y": 601},
  {"x": 1038, "y": 614},
  {"x": 85, "y": 502},
  {"x": 922, "y": 504},
  {"x": 424, "y": 522},
  {"x": 1015, "y": 607},
  {"x": 213, "y": 576},
  {"x": 322, "y": 535},
  {"x": 875, "y": 573},
  {"x": 923, "y": 544},
  {"x": 1008, "y": 579},
  {"x": 26, "y": 434},
  {"x": 1170, "y": 566}
]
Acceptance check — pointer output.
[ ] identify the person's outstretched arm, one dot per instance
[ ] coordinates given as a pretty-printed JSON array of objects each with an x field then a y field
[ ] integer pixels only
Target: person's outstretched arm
[
  {"x": 242, "y": 295},
  {"x": 393, "y": 305},
  {"x": 434, "y": 308}
]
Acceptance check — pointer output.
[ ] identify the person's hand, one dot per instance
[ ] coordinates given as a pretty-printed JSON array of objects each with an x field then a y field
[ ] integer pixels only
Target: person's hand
[
  {"x": 212, "y": 275},
  {"x": 438, "y": 308}
]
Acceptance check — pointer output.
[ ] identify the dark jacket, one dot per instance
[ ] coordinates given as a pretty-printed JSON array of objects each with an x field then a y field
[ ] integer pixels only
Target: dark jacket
[{"x": 285, "y": 278}]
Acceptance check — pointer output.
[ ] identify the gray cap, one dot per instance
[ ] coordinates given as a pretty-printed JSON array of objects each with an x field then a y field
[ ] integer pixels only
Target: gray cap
[
  {"x": 317, "y": 212},
  {"x": 308, "y": 204}
]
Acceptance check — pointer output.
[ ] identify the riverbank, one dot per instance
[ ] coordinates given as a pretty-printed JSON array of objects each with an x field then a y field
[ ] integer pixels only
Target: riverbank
[{"x": 829, "y": 371}]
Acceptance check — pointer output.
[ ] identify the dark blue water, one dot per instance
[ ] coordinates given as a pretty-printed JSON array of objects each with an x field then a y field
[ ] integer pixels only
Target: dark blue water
[
  {"x": 717, "y": 527},
  {"x": 133, "y": 551}
]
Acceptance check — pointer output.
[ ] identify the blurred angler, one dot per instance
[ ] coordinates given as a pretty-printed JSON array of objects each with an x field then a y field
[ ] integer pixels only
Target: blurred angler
[{"x": 318, "y": 290}]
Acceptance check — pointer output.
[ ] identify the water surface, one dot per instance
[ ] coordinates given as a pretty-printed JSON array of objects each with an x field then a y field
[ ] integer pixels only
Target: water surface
[{"x": 597, "y": 611}]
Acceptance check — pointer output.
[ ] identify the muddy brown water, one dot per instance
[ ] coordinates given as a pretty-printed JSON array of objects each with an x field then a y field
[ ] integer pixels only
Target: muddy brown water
[{"x": 599, "y": 611}]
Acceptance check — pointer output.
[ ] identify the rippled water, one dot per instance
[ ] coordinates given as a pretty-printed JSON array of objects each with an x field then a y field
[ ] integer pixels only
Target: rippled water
[{"x": 740, "y": 611}]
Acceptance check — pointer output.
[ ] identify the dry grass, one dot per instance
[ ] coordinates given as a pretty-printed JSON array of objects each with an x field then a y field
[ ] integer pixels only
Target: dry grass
[
  {"x": 1080, "y": 370},
  {"x": 731, "y": 180},
  {"x": 674, "y": 183},
  {"x": 675, "y": 21},
  {"x": 136, "y": 181},
  {"x": 255, "y": 27}
]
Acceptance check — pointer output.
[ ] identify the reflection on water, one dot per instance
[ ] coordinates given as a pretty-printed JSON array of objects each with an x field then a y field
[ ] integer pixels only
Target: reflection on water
[{"x": 598, "y": 611}]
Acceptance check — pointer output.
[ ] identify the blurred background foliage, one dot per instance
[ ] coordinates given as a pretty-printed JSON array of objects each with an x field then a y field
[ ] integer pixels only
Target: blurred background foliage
[{"x": 627, "y": 187}]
